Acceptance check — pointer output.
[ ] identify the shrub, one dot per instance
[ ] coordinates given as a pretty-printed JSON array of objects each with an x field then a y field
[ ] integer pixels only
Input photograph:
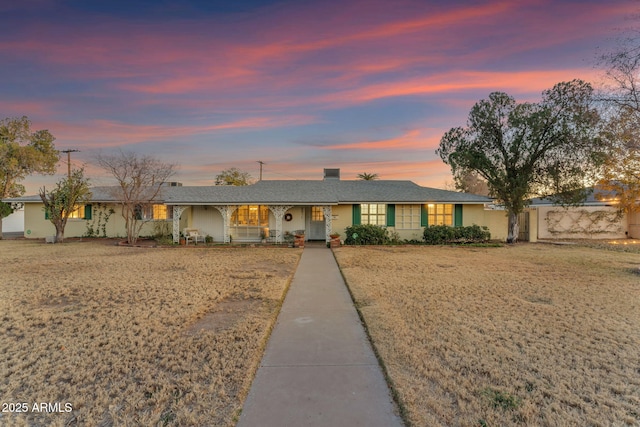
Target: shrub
[
  {"x": 366, "y": 234},
  {"x": 443, "y": 234}
]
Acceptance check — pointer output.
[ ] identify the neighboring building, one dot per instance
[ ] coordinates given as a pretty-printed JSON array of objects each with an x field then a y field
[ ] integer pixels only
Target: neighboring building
[
  {"x": 596, "y": 218},
  {"x": 272, "y": 208},
  {"x": 14, "y": 223}
]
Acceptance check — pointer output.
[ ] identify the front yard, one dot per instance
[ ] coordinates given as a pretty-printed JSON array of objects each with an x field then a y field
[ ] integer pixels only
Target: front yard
[
  {"x": 106, "y": 335},
  {"x": 531, "y": 334}
]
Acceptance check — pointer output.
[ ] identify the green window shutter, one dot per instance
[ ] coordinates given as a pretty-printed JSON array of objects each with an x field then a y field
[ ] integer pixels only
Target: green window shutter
[
  {"x": 356, "y": 217},
  {"x": 391, "y": 215},
  {"x": 87, "y": 211},
  {"x": 457, "y": 216},
  {"x": 424, "y": 217},
  {"x": 46, "y": 214}
]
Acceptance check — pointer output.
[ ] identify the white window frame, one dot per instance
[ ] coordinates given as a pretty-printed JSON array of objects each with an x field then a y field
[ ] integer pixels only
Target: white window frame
[{"x": 373, "y": 213}]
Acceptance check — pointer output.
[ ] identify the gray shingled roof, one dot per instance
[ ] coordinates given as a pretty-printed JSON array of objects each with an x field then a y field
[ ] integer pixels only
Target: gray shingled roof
[
  {"x": 595, "y": 197},
  {"x": 298, "y": 192},
  {"x": 98, "y": 194},
  {"x": 319, "y": 192}
]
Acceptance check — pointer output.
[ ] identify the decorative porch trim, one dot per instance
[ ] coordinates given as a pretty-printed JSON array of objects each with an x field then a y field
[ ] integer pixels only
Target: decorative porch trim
[
  {"x": 327, "y": 210},
  {"x": 226, "y": 212},
  {"x": 177, "y": 212},
  {"x": 278, "y": 212}
]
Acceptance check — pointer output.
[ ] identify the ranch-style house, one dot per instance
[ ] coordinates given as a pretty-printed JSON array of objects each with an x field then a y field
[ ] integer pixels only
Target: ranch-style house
[{"x": 272, "y": 208}]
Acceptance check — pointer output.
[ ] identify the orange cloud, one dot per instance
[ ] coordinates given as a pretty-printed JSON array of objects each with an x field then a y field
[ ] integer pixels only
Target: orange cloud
[{"x": 409, "y": 140}]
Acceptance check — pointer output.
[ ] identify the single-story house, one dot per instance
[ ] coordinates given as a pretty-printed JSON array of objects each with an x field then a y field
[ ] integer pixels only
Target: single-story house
[
  {"x": 274, "y": 207},
  {"x": 596, "y": 218}
]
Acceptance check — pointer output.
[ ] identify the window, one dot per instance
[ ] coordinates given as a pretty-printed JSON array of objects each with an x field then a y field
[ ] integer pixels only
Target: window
[
  {"x": 407, "y": 217},
  {"x": 162, "y": 212},
  {"x": 250, "y": 215},
  {"x": 375, "y": 214},
  {"x": 317, "y": 214},
  {"x": 78, "y": 212},
  {"x": 440, "y": 214},
  {"x": 157, "y": 212}
]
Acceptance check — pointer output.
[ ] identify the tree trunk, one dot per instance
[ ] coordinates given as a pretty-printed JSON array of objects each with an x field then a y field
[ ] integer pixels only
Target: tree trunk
[
  {"x": 59, "y": 234},
  {"x": 514, "y": 228}
]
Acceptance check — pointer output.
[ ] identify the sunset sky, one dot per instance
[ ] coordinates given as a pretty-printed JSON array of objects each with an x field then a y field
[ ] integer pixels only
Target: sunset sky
[{"x": 365, "y": 86}]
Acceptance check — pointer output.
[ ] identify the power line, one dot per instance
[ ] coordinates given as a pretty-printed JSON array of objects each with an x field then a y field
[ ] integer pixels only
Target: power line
[{"x": 281, "y": 174}]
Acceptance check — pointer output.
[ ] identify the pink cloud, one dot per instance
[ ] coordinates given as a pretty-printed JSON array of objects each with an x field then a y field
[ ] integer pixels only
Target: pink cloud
[
  {"x": 185, "y": 59},
  {"x": 109, "y": 133}
]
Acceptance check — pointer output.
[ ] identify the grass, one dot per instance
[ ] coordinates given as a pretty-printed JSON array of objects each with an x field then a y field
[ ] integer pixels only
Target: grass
[
  {"x": 135, "y": 336},
  {"x": 530, "y": 334}
]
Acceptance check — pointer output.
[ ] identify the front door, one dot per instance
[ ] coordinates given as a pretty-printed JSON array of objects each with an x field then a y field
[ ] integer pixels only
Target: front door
[{"x": 317, "y": 229}]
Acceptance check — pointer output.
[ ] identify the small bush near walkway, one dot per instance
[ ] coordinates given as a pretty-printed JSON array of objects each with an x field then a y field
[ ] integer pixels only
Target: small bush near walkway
[{"x": 443, "y": 234}]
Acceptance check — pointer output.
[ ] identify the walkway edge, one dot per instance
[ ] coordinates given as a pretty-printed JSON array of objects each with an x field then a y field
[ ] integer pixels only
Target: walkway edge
[
  {"x": 244, "y": 392},
  {"x": 399, "y": 405}
]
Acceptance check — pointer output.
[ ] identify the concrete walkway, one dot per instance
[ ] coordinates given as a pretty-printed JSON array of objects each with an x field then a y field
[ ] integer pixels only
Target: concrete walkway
[{"x": 318, "y": 368}]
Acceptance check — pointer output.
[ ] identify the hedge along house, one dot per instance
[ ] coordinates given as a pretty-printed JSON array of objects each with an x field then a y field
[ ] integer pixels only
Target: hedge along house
[{"x": 273, "y": 208}]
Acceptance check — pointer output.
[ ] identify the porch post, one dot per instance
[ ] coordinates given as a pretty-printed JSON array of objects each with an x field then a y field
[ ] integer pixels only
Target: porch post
[
  {"x": 226, "y": 212},
  {"x": 327, "y": 222},
  {"x": 278, "y": 213},
  {"x": 177, "y": 212}
]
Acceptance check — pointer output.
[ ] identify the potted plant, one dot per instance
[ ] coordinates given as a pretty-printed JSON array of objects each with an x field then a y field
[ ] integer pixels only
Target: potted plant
[
  {"x": 288, "y": 238},
  {"x": 183, "y": 240},
  {"x": 298, "y": 241},
  {"x": 335, "y": 240}
]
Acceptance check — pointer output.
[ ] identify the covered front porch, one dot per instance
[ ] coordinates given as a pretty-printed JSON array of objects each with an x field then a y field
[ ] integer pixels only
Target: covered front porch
[{"x": 253, "y": 223}]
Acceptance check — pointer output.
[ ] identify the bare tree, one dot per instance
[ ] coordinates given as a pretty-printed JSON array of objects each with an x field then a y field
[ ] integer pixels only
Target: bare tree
[
  {"x": 471, "y": 182},
  {"x": 65, "y": 199},
  {"x": 621, "y": 67},
  {"x": 621, "y": 95},
  {"x": 140, "y": 182}
]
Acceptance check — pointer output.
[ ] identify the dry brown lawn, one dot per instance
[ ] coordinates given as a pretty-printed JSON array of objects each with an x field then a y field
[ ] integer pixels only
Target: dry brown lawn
[
  {"x": 134, "y": 336},
  {"x": 531, "y": 334}
]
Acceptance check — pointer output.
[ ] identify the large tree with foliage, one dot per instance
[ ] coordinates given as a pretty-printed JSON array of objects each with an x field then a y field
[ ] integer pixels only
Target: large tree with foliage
[
  {"x": 140, "y": 181},
  {"x": 22, "y": 152},
  {"x": 64, "y": 199},
  {"x": 522, "y": 150},
  {"x": 233, "y": 176}
]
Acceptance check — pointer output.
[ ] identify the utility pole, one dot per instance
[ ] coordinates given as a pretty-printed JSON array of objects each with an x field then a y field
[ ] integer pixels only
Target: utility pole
[
  {"x": 69, "y": 160},
  {"x": 261, "y": 163}
]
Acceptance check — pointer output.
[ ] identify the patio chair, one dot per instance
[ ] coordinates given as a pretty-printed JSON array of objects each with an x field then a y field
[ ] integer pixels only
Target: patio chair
[{"x": 193, "y": 236}]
